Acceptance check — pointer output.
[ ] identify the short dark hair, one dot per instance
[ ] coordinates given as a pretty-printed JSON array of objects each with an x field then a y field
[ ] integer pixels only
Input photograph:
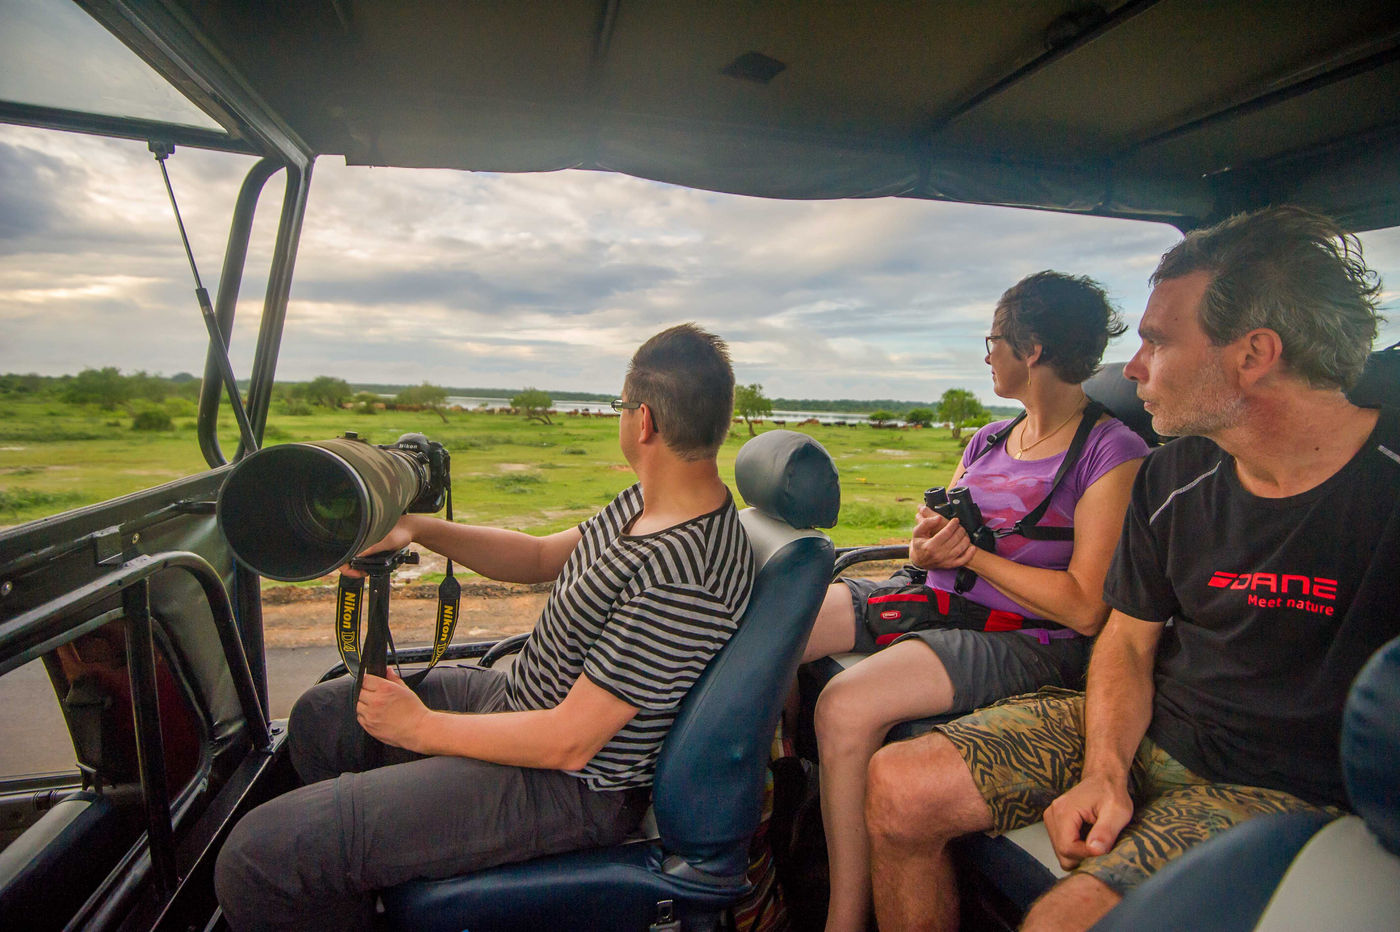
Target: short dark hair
[
  {"x": 683, "y": 375},
  {"x": 1070, "y": 316},
  {"x": 1291, "y": 271}
]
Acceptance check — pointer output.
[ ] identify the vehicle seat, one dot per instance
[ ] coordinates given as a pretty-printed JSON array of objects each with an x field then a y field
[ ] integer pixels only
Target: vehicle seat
[
  {"x": 1296, "y": 870},
  {"x": 708, "y": 789},
  {"x": 48, "y": 871}
]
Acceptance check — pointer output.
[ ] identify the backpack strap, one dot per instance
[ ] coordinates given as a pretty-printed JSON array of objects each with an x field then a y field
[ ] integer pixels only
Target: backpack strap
[
  {"x": 996, "y": 438},
  {"x": 1026, "y": 527}
]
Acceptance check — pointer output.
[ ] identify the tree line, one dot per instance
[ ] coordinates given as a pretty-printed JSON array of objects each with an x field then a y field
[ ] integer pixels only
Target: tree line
[
  {"x": 958, "y": 408},
  {"x": 138, "y": 392}
]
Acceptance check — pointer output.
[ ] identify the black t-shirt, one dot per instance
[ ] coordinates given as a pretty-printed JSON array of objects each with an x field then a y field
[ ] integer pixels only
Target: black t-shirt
[{"x": 1273, "y": 606}]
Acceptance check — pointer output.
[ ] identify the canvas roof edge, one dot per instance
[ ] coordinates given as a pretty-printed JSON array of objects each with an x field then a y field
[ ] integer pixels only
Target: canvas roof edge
[
  {"x": 120, "y": 127},
  {"x": 162, "y": 35}
]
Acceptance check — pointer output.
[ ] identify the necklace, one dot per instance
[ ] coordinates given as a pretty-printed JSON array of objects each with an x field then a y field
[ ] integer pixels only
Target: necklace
[{"x": 1024, "y": 447}]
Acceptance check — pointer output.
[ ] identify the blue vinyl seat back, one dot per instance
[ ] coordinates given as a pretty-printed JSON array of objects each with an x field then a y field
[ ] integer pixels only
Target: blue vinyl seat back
[
  {"x": 1110, "y": 388},
  {"x": 709, "y": 778},
  {"x": 708, "y": 788},
  {"x": 1228, "y": 883}
]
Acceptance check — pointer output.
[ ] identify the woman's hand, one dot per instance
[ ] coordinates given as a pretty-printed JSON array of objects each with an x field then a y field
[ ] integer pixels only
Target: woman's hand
[
  {"x": 392, "y": 712},
  {"x": 938, "y": 543}
]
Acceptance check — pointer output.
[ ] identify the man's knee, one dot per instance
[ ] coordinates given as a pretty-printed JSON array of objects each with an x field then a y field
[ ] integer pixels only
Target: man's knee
[
  {"x": 1077, "y": 902},
  {"x": 245, "y": 870},
  {"x": 314, "y": 730},
  {"x": 921, "y": 791}
]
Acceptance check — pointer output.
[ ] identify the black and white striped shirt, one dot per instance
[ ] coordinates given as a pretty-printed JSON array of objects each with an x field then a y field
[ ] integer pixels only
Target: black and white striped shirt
[{"x": 642, "y": 616}]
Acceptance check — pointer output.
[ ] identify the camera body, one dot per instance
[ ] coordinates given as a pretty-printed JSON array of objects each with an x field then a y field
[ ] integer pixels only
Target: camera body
[{"x": 433, "y": 464}]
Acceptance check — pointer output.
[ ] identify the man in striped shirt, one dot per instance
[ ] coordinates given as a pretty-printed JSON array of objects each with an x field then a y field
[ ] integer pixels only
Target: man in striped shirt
[{"x": 484, "y": 767}]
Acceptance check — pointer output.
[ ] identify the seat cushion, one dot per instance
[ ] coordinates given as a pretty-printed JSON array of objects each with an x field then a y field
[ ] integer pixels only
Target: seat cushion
[{"x": 1222, "y": 885}]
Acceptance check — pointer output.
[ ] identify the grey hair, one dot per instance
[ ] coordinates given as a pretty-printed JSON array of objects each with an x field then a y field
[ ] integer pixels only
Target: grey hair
[{"x": 1292, "y": 271}]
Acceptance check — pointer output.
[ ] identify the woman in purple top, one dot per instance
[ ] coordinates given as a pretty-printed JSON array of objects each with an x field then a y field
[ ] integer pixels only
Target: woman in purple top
[{"x": 1048, "y": 334}]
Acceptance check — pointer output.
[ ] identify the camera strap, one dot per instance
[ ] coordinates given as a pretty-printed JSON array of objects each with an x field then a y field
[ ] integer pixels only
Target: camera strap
[
  {"x": 449, "y": 603},
  {"x": 349, "y": 603}
]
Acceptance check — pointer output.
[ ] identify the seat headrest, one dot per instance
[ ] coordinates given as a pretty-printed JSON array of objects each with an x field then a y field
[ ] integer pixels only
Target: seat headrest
[
  {"x": 1119, "y": 395},
  {"x": 1380, "y": 382},
  {"x": 789, "y": 476},
  {"x": 1371, "y": 744}
]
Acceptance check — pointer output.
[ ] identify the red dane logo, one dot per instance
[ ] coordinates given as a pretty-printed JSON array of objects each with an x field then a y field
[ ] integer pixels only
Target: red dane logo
[{"x": 1281, "y": 590}]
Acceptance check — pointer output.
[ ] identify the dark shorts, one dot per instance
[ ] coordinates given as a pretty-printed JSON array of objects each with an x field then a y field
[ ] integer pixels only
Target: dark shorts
[
  {"x": 311, "y": 858},
  {"x": 984, "y": 666},
  {"x": 1025, "y": 751}
]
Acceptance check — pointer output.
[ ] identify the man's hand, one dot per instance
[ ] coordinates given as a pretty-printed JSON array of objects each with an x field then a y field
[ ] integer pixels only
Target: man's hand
[
  {"x": 399, "y": 537},
  {"x": 938, "y": 543},
  {"x": 392, "y": 712},
  {"x": 1086, "y": 820}
]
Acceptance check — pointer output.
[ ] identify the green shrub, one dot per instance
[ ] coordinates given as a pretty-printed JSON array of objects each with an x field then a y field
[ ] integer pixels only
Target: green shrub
[
  {"x": 152, "y": 419},
  {"x": 180, "y": 407},
  {"x": 295, "y": 407}
]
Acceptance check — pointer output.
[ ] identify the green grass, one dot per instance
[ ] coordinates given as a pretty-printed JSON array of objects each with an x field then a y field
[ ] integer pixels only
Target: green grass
[{"x": 506, "y": 472}]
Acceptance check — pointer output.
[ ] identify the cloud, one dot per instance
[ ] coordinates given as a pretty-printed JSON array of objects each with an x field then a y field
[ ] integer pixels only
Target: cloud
[{"x": 485, "y": 279}]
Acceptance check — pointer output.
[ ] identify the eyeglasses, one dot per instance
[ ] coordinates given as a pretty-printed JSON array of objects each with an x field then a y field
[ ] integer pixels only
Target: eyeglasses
[
  {"x": 619, "y": 406},
  {"x": 988, "y": 341}
]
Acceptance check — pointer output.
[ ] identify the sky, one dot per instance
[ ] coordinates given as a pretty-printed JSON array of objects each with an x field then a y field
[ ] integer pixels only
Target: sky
[{"x": 549, "y": 280}]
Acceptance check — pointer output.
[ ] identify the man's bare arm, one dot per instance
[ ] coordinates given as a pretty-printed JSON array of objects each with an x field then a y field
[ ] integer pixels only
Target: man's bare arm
[
  {"x": 565, "y": 737},
  {"x": 509, "y": 556},
  {"x": 1086, "y": 820}
]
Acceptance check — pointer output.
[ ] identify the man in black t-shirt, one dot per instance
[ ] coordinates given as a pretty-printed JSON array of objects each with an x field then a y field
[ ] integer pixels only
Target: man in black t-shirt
[{"x": 1253, "y": 579}]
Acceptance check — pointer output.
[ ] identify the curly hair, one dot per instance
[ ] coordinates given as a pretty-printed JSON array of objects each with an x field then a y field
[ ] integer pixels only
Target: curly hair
[
  {"x": 1070, "y": 316},
  {"x": 1294, "y": 272}
]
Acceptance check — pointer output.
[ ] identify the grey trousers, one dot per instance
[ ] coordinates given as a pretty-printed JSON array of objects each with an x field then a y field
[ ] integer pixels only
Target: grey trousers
[{"x": 312, "y": 858}]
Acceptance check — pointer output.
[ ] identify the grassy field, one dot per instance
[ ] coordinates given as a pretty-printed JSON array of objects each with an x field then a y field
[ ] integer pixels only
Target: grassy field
[{"x": 506, "y": 472}]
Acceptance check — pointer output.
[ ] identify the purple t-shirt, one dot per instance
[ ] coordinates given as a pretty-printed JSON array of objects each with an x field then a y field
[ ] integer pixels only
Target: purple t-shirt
[{"x": 1006, "y": 489}]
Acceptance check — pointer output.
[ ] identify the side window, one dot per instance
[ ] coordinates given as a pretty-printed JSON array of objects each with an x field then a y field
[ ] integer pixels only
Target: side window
[
  {"x": 36, "y": 752},
  {"x": 71, "y": 801}
]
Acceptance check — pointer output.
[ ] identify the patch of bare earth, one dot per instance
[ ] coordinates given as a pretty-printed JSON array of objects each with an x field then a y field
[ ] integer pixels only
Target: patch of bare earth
[{"x": 304, "y": 616}]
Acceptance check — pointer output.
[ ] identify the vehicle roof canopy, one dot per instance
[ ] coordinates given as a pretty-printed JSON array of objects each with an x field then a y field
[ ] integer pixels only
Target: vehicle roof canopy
[{"x": 1176, "y": 110}]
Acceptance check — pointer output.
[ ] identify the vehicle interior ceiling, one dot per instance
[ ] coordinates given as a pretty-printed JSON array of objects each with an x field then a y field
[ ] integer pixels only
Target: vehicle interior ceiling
[
  {"x": 1175, "y": 111},
  {"x": 1172, "y": 110}
]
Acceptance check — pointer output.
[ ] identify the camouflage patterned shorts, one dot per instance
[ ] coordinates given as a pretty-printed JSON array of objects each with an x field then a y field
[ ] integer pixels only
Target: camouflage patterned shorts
[{"x": 1025, "y": 751}]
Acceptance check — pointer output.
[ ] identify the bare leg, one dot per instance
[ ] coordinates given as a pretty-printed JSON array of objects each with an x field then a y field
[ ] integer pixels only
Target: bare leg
[
  {"x": 834, "y": 631},
  {"x": 1077, "y": 902},
  {"x": 920, "y": 796},
  {"x": 854, "y": 713}
]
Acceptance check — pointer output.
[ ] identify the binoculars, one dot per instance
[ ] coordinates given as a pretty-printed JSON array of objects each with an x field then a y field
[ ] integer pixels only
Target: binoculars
[{"x": 955, "y": 503}]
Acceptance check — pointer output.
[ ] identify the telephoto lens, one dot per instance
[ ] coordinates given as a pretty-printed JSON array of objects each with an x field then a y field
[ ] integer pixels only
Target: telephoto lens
[{"x": 297, "y": 511}]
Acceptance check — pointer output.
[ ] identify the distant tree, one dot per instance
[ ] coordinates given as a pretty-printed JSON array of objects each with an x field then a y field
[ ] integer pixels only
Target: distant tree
[
  {"x": 105, "y": 387},
  {"x": 881, "y": 417},
  {"x": 432, "y": 397},
  {"x": 327, "y": 391},
  {"x": 150, "y": 387},
  {"x": 920, "y": 416},
  {"x": 960, "y": 408},
  {"x": 750, "y": 403},
  {"x": 14, "y": 384},
  {"x": 534, "y": 404}
]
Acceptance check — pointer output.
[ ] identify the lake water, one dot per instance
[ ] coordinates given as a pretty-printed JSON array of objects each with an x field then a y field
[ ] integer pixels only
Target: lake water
[{"x": 596, "y": 407}]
